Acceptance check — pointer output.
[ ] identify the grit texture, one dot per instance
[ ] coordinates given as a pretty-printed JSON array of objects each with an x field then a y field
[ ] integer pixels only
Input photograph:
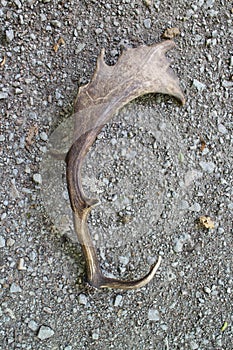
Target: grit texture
[{"x": 162, "y": 173}]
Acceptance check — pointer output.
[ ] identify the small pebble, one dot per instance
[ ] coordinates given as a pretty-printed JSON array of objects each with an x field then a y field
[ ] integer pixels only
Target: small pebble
[
  {"x": 153, "y": 315},
  {"x": 194, "y": 345},
  {"x": 207, "y": 290},
  {"x": 118, "y": 300},
  {"x": 183, "y": 205},
  {"x": 3, "y": 216},
  {"x": 124, "y": 260},
  {"x": 18, "y": 3},
  {"x": 45, "y": 332},
  {"x": 178, "y": 246},
  {"x": 82, "y": 299},
  {"x": 3, "y": 95},
  {"x": 2, "y": 242},
  {"x": 230, "y": 206},
  {"x": 200, "y": 86},
  {"x": 207, "y": 166},
  {"x": 10, "y": 242},
  {"x": 98, "y": 31},
  {"x": 222, "y": 129},
  {"x": 147, "y": 23},
  {"x": 95, "y": 336},
  {"x": 221, "y": 230},
  {"x": 15, "y": 288},
  {"x": 9, "y": 35},
  {"x": 37, "y": 179},
  {"x": 33, "y": 325},
  {"x": 195, "y": 207},
  {"x": 56, "y": 23},
  {"x": 43, "y": 136}
]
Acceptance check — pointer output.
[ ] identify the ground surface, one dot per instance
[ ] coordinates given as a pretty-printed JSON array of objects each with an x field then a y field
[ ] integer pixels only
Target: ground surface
[{"x": 156, "y": 169}]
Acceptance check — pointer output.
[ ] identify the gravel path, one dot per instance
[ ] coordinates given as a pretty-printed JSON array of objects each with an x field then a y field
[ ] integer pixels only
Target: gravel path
[{"x": 157, "y": 168}]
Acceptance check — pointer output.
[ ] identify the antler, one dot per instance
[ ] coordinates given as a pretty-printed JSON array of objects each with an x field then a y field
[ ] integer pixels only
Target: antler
[{"x": 138, "y": 71}]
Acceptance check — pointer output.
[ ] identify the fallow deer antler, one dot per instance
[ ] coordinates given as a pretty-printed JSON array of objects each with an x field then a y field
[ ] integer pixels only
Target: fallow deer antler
[{"x": 138, "y": 71}]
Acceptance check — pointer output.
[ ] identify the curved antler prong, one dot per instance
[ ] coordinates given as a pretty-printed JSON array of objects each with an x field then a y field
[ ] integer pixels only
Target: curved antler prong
[{"x": 138, "y": 71}]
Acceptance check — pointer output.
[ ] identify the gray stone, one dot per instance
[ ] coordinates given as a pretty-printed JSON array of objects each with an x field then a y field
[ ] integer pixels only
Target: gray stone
[
  {"x": 147, "y": 23},
  {"x": 98, "y": 31},
  {"x": 56, "y": 23},
  {"x": 183, "y": 205},
  {"x": 230, "y": 206},
  {"x": 195, "y": 207},
  {"x": 178, "y": 246},
  {"x": 153, "y": 315},
  {"x": 80, "y": 47},
  {"x": 222, "y": 129},
  {"x": 207, "y": 166},
  {"x": 82, "y": 299},
  {"x": 2, "y": 242},
  {"x": 3, "y": 216},
  {"x": 207, "y": 290},
  {"x": 43, "y": 136},
  {"x": 124, "y": 260},
  {"x": 33, "y": 325},
  {"x": 45, "y": 332},
  {"x": 3, "y": 95},
  {"x": 37, "y": 178},
  {"x": 198, "y": 85},
  {"x": 95, "y": 335},
  {"x": 118, "y": 300},
  {"x": 2, "y": 138},
  {"x": 194, "y": 345},
  {"x": 15, "y": 288},
  {"x": 10, "y": 35},
  {"x": 227, "y": 84},
  {"x": 18, "y": 3}
]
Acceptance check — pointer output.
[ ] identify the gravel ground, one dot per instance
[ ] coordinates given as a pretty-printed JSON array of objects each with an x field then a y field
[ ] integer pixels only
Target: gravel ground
[{"x": 156, "y": 169}]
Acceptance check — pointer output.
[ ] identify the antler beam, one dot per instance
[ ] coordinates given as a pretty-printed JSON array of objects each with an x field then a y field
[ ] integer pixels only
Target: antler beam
[{"x": 138, "y": 71}]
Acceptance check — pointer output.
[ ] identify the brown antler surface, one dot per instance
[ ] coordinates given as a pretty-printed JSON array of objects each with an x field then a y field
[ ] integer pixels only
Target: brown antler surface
[{"x": 138, "y": 71}]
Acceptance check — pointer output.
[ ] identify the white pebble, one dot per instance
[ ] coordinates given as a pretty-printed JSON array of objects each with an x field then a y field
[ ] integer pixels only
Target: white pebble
[
  {"x": 37, "y": 179},
  {"x": 195, "y": 207},
  {"x": 82, "y": 299},
  {"x": 230, "y": 206},
  {"x": 3, "y": 95},
  {"x": 43, "y": 136},
  {"x": 207, "y": 290},
  {"x": 33, "y": 325},
  {"x": 95, "y": 336},
  {"x": 15, "y": 288},
  {"x": 118, "y": 300},
  {"x": 3, "y": 216},
  {"x": 9, "y": 35},
  {"x": 198, "y": 85},
  {"x": 124, "y": 260},
  {"x": 2, "y": 242},
  {"x": 45, "y": 332},
  {"x": 153, "y": 315},
  {"x": 147, "y": 23},
  {"x": 178, "y": 246},
  {"x": 207, "y": 166},
  {"x": 222, "y": 129}
]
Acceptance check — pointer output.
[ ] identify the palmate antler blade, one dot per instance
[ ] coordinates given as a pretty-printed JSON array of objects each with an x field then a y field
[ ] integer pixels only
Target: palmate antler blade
[{"x": 138, "y": 71}]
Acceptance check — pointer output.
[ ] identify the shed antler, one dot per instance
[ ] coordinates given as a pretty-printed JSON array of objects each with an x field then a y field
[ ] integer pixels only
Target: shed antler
[{"x": 138, "y": 71}]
